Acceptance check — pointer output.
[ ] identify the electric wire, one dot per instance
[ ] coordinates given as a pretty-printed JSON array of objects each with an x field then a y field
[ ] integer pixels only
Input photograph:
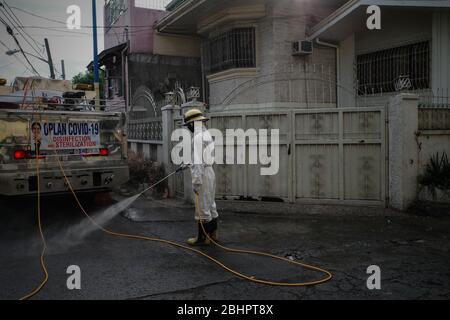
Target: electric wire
[
  {"x": 38, "y": 44},
  {"x": 11, "y": 33},
  {"x": 16, "y": 24},
  {"x": 65, "y": 23},
  {"x": 20, "y": 61}
]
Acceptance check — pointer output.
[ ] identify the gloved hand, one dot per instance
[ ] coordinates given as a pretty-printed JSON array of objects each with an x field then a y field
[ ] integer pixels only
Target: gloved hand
[
  {"x": 197, "y": 188},
  {"x": 182, "y": 168}
]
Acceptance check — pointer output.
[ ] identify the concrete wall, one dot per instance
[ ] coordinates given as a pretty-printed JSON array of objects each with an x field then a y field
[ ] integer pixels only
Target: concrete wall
[
  {"x": 176, "y": 45},
  {"x": 432, "y": 142},
  {"x": 142, "y": 39},
  {"x": 347, "y": 60},
  {"x": 410, "y": 150},
  {"x": 397, "y": 29},
  {"x": 434, "y": 137}
]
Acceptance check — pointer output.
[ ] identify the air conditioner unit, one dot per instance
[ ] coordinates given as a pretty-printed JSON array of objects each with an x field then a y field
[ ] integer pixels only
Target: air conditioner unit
[{"x": 302, "y": 47}]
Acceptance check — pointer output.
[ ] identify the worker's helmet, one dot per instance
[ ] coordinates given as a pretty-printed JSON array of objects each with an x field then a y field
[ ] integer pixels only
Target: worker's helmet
[{"x": 194, "y": 115}]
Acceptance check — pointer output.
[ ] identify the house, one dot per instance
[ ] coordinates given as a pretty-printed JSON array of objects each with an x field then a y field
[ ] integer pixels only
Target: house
[
  {"x": 141, "y": 66},
  {"x": 246, "y": 40},
  {"x": 346, "y": 99}
]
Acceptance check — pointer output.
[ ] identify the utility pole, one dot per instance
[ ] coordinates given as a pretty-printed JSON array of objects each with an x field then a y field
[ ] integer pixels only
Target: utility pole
[
  {"x": 50, "y": 61},
  {"x": 63, "y": 70},
  {"x": 96, "y": 73}
]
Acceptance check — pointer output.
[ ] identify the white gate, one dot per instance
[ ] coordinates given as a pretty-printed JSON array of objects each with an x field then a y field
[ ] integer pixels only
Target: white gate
[{"x": 326, "y": 156}]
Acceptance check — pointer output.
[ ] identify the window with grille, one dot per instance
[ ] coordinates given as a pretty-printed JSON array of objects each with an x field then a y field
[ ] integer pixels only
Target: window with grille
[
  {"x": 377, "y": 72},
  {"x": 232, "y": 49}
]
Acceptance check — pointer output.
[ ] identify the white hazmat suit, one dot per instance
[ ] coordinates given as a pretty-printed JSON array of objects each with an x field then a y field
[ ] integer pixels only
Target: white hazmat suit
[{"x": 202, "y": 172}]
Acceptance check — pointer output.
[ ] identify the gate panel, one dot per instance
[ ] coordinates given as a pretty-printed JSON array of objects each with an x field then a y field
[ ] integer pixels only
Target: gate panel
[
  {"x": 276, "y": 186},
  {"x": 317, "y": 126},
  {"x": 340, "y": 155},
  {"x": 317, "y": 171},
  {"x": 229, "y": 179},
  {"x": 362, "y": 172},
  {"x": 362, "y": 125}
]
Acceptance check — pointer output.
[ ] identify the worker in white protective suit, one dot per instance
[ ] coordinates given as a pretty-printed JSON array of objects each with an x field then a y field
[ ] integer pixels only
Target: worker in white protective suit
[{"x": 203, "y": 178}]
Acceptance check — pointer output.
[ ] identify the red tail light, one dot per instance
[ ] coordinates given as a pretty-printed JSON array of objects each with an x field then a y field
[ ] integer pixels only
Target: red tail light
[
  {"x": 20, "y": 155},
  {"x": 104, "y": 152}
]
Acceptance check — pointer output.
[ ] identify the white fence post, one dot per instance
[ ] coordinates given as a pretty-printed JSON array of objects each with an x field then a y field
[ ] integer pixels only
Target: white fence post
[
  {"x": 403, "y": 150},
  {"x": 167, "y": 129}
]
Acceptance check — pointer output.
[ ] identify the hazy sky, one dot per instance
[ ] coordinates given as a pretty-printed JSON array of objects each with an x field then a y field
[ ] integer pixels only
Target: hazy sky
[{"x": 74, "y": 46}]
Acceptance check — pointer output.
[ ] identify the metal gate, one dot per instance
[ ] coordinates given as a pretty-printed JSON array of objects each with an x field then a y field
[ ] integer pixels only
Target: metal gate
[{"x": 326, "y": 156}]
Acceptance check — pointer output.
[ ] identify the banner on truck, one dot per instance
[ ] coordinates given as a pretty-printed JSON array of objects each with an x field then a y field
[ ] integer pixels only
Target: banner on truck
[{"x": 65, "y": 135}]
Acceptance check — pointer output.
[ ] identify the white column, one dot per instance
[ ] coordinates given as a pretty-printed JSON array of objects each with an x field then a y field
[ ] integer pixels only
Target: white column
[
  {"x": 403, "y": 150},
  {"x": 441, "y": 53},
  {"x": 168, "y": 113},
  {"x": 346, "y": 76}
]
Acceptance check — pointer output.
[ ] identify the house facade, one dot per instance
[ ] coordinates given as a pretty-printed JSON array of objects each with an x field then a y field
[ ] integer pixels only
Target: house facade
[
  {"x": 141, "y": 66},
  {"x": 247, "y": 52},
  {"x": 359, "y": 111}
]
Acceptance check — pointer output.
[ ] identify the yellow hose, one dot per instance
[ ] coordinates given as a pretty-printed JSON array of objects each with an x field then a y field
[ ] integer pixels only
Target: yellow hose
[
  {"x": 41, "y": 232},
  {"x": 328, "y": 277},
  {"x": 181, "y": 246}
]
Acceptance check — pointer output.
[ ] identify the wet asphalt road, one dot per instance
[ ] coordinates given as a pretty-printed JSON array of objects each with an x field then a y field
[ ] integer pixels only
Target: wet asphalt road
[{"x": 412, "y": 252}]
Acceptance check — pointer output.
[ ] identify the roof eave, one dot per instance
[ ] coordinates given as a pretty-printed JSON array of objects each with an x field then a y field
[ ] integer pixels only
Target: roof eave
[
  {"x": 334, "y": 18},
  {"x": 179, "y": 12},
  {"x": 352, "y": 5}
]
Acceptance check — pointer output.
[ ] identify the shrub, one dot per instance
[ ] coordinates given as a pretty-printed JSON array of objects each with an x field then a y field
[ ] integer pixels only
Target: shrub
[
  {"x": 139, "y": 169},
  {"x": 146, "y": 172},
  {"x": 437, "y": 174},
  {"x": 157, "y": 173}
]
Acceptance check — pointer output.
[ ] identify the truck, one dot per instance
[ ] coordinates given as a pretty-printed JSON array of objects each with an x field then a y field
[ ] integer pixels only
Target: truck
[{"x": 90, "y": 145}]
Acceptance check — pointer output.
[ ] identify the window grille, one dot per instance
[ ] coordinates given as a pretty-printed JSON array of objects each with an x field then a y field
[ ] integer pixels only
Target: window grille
[
  {"x": 378, "y": 72},
  {"x": 233, "y": 49}
]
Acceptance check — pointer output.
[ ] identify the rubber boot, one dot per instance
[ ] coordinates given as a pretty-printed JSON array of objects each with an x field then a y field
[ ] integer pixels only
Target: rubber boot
[
  {"x": 201, "y": 238},
  {"x": 212, "y": 231}
]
